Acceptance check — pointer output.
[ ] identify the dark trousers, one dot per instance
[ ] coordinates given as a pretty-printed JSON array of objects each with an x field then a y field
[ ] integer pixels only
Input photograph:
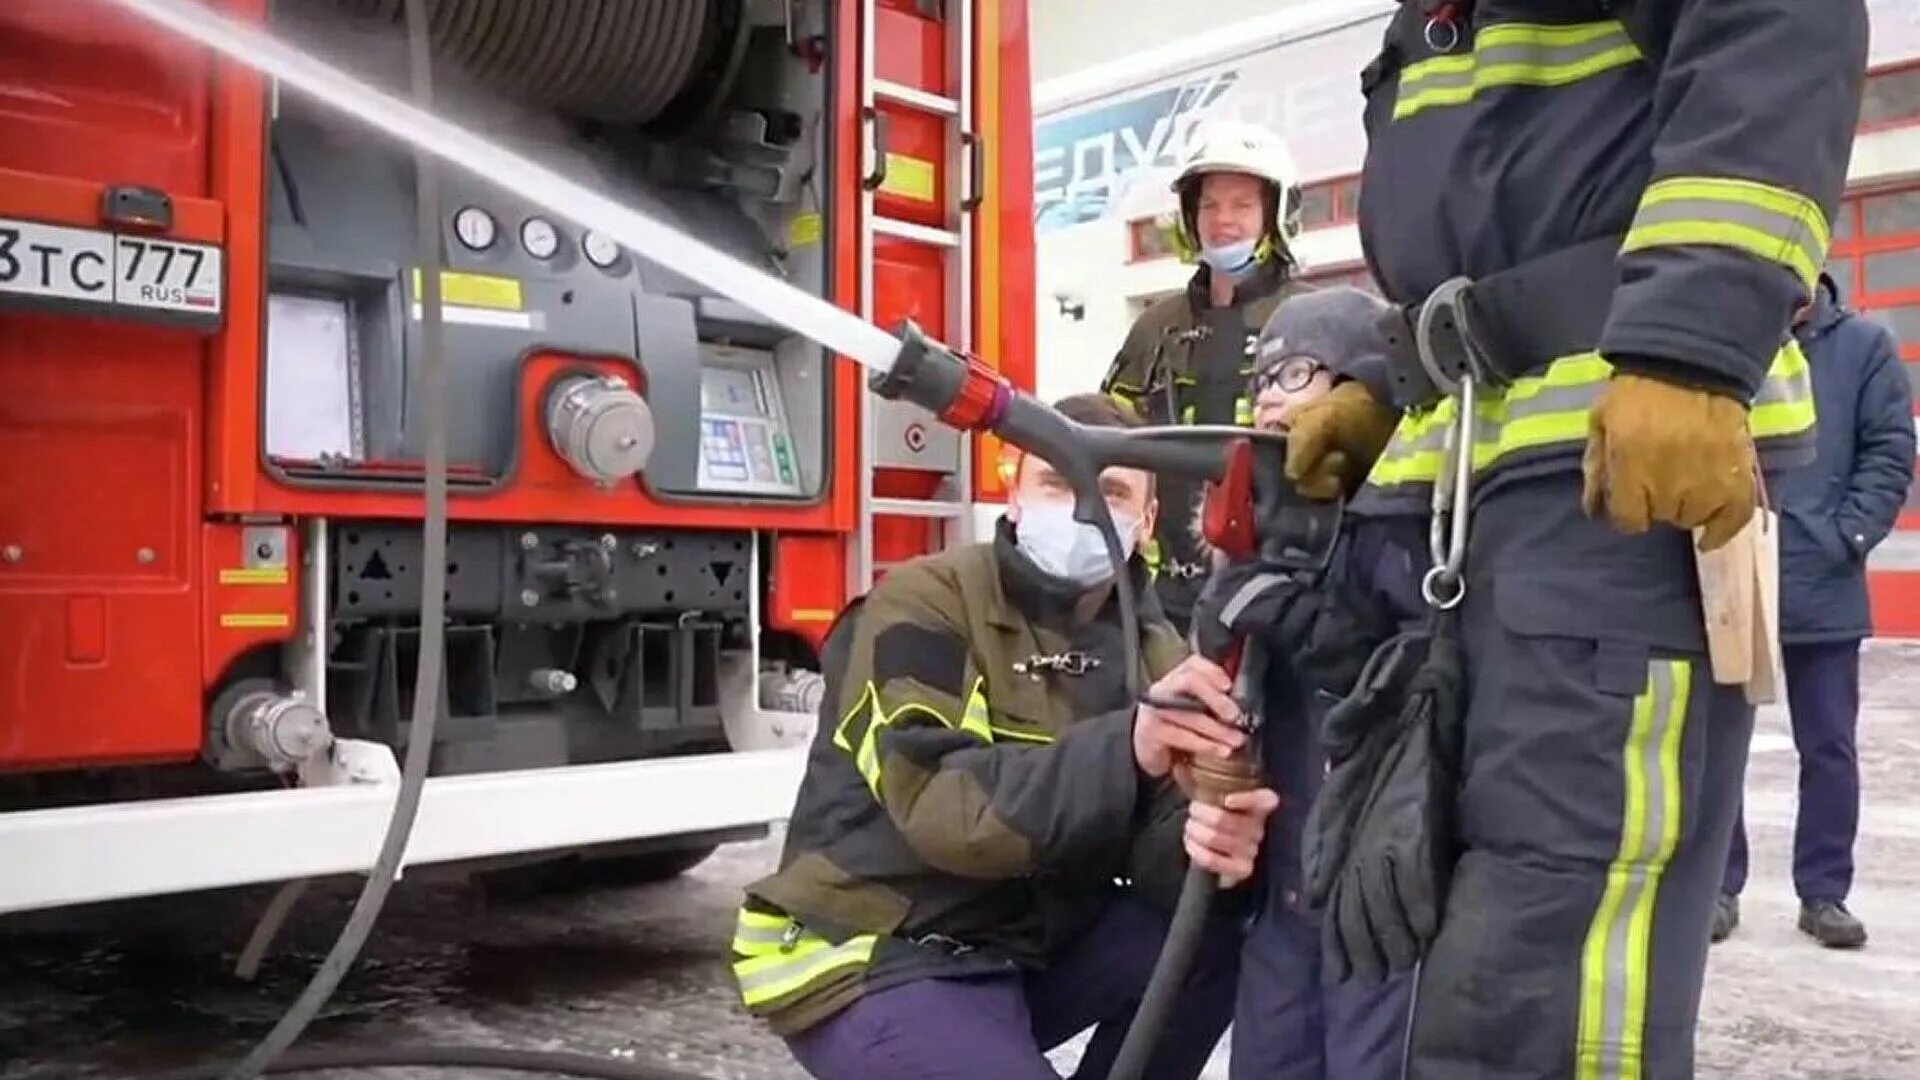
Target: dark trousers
[
  {"x": 1600, "y": 780},
  {"x": 999, "y": 1027},
  {"x": 1823, "y": 705},
  {"x": 1287, "y": 1026}
]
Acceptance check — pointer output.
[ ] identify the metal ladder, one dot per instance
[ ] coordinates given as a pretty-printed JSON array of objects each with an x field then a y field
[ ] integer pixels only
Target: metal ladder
[{"x": 962, "y": 171}]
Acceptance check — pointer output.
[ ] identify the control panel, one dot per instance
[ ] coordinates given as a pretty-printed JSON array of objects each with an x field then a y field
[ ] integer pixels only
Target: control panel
[{"x": 746, "y": 445}]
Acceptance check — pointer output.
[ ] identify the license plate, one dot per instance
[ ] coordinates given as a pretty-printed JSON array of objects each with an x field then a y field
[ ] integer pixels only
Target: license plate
[{"x": 96, "y": 268}]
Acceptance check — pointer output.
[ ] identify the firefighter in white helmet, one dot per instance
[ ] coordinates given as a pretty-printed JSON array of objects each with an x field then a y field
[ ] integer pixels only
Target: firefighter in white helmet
[{"x": 1187, "y": 357}]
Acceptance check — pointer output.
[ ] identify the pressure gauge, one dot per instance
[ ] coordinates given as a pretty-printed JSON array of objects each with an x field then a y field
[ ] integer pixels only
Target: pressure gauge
[
  {"x": 475, "y": 228},
  {"x": 540, "y": 238},
  {"x": 601, "y": 250}
]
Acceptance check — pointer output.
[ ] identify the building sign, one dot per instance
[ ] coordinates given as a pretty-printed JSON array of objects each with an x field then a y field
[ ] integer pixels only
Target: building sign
[{"x": 1114, "y": 156}]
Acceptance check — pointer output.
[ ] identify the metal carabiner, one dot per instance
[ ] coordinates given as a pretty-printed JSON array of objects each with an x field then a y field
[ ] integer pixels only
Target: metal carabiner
[{"x": 1445, "y": 583}]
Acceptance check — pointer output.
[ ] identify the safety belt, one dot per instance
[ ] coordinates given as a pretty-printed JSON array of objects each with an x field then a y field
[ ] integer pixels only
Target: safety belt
[{"x": 1505, "y": 325}]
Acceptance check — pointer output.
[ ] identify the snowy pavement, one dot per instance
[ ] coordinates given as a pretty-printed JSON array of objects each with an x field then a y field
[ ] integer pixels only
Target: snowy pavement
[{"x": 119, "y": 992}]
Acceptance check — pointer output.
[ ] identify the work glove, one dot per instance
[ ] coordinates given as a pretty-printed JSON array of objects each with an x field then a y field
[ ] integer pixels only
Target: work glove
[
  {"x": 1353, "y": 758},
  {"x": 1332, "y": 443},
  {"x": 1382, "y": 903},
  {"x": 1658, "y": 452}
]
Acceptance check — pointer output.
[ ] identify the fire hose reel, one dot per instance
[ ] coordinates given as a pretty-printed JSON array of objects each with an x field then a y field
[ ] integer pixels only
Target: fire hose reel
[{"x": 601, "y": 426}]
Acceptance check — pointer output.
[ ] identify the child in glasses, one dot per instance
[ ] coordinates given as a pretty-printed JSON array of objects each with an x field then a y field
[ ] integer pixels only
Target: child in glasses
[{"x": 1286, "y": 1021}]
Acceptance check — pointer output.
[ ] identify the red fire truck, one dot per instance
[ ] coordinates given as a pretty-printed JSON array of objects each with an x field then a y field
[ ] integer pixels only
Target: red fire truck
[{"x": 211, "y": 551}]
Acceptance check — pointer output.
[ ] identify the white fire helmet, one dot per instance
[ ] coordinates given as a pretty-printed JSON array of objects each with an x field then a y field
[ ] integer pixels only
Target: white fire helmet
[{"x": 1234, "y": 146}]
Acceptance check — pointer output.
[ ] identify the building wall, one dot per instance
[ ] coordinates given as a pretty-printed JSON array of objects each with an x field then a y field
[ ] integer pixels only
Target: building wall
[{"x": 1071, "y": 35}]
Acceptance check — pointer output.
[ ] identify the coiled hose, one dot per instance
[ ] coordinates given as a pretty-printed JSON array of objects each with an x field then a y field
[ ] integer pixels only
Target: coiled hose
[{"x": 616, "y": 61}]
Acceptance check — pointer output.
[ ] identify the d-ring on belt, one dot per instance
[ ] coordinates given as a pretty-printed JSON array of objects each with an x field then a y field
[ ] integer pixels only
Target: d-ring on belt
[
  {"x": 1470, "y": 334},
  {"x": 1502, "y": 326}
]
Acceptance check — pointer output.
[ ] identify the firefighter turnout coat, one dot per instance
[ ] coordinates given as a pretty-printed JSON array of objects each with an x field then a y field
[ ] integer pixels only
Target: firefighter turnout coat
[
  {"x": 971, "y": 795},
  {"x": 1704, "y": 143}
]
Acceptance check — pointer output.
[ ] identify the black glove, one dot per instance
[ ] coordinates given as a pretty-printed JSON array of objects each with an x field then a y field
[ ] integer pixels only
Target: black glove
[
  {"x": 1383, "y": 900},
  {"x": 1372, "y": 708}
]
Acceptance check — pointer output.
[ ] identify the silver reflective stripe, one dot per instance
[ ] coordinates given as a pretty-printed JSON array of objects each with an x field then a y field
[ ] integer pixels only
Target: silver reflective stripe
[
  {"x": 1528, "y": 54},
  {"x": 1515, "y": 54},
  {"x": 747, "y": 939},
  {"x": 1616, "y": 962},
  {"x": 1246, "y": 595},
  {"x": 802, "y": 970},
  {"x": 1449, "y": 73},
  {"x": 1799, "y": 245}
]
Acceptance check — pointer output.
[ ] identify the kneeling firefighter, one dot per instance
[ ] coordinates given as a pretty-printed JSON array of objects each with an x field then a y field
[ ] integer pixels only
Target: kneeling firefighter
[
  {"x": 1598, "y": 217},
  {"x": 1187, "y": 358},
  {"x": 949, "y": 903}
]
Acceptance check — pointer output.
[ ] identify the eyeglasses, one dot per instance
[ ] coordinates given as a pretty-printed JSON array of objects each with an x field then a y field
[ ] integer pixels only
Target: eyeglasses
[{"x": 1290, "y": 375}]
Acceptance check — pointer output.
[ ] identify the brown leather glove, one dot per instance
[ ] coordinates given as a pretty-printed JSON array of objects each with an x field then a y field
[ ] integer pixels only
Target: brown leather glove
[
  {"x": 1332, "y": 443},
  {"x": 1660, "y": 452}
]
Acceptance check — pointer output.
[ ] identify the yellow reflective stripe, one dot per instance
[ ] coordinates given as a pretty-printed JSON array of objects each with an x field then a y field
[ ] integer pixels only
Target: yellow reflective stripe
[
  {"x": 1515, "y": 54},
  {"x": 866, "y": 759},
  {"x": 1764, "y": 221},
  {"x": 1242, "y": 411},
  {"x": 1187, "y": 414},
  {"x": 1615, "y": 962},
  {"x": 769, "y": 978},
  {"x": 1040, "y": 737},
  {"x": 1150, "y": 554},
  {"x": 1791, "y": 410},
  {"x": 758, "y": 933},
  {"x": 840, "y": 730},
  {"x": 1554, "y": 407},
  {"x": 975, "y": 720}
]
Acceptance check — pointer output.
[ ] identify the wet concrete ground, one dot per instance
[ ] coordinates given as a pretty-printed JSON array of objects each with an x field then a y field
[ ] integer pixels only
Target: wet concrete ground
[{"x": 120, "y": 992}]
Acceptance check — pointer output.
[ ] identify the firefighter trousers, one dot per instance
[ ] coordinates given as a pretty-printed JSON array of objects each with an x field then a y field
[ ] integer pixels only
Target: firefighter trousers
[
  {"x": 1600, "y": 780},
  {"x": 999, "y": 1027}
]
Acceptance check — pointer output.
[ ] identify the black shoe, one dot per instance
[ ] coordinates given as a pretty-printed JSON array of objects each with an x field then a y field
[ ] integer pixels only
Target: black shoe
[
  {"x": 1726, "y": 917},
  {"x": 1831, "y": 924}
]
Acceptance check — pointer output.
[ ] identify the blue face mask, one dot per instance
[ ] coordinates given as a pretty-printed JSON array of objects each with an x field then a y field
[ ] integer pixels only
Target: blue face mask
[
  {"x": 1234, "y": 259},
  {"x": 1065, "y": 548}
]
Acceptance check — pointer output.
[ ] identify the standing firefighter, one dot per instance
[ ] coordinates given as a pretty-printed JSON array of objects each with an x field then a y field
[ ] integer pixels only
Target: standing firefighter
[
  {"x": 1188, "y": 356},
  {"x": 1605, "y": 214}
]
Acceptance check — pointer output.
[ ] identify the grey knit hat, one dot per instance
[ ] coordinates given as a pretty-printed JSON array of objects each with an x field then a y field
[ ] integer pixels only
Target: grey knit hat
[{"x": 1342, "y": 327}]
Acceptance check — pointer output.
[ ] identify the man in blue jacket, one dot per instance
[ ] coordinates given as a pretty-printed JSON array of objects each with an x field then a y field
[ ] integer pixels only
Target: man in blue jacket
[{"x": 1833, "y": 513}]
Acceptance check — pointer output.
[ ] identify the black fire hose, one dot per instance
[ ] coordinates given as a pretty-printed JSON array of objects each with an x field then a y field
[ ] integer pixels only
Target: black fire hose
[{"x": 1184, "y": 933}]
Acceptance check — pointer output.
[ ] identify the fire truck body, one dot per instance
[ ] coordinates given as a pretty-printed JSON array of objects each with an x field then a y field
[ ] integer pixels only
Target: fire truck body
[{"x": 210, "y": 375}]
